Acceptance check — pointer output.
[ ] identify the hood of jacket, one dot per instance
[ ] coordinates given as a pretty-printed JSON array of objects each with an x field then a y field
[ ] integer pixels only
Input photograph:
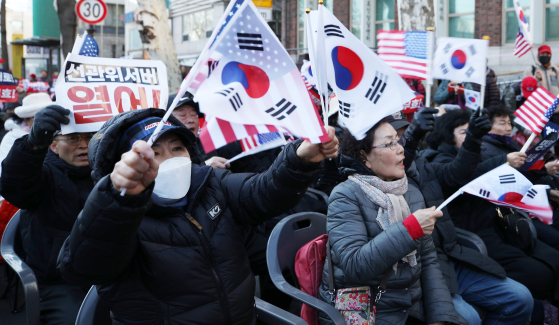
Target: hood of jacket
[
  {"x": 103, "y": 147},
  {"x": 348, "y": 166}
]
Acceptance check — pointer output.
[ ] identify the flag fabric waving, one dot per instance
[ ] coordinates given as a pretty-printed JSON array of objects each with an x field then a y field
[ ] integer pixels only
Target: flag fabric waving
[
  {"x": 258, "y": 143},
  {"x": 218, "y": 132},
  {"x": 366, "y": 87},
  {"x": 251, "y": 79},
  {"x": 473, "y": 99},
  {"x": 523, "y": 43},
  {"x": 86, "y": 45},
  {"x": 460, "y": 59},
  {"x": 537, "y": 109},
  {"x": 406, "y": 52},
  {"x": 505, "y": 186}
]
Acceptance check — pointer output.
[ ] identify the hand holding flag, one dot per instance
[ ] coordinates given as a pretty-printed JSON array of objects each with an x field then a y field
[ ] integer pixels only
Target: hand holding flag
[{"x": 316, "y": 152}]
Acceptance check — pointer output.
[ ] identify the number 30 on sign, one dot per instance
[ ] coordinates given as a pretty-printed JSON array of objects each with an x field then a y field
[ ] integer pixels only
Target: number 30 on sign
[{"x": 91, "y": 11}]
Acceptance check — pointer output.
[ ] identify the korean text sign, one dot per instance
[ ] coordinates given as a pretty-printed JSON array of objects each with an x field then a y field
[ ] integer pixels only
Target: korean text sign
[
  {"x": 8, "y": 86},
  {"x": 96, "y": 89}
]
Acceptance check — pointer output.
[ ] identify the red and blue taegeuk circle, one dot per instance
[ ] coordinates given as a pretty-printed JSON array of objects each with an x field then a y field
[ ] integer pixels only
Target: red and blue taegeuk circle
[
  {"x": 254, "y": 80},
  {"x": 472, "y": 99},
  {"x": 511, "y": 197},
  {"x": 458, "y": 59},
  {"x": 348, "y": 68},
  {"x": 522, "y": 17}
]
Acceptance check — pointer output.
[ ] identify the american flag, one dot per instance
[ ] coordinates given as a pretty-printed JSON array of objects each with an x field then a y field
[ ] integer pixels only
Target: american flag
[
  {"x": 537, "y": 109},
  {"x": 258, "y": 140},
  {"x": 522, "y": 46},
  {"x": 89, "y": 47},
  {"x": 218, "y": 132},
  {"x": 405, "y": 52}
]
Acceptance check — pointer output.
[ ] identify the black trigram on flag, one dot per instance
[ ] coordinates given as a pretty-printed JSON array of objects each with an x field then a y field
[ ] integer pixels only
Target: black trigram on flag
[
  {"x": 282, "y": 108},
  {"x": 333, "y": 30},
  {"x": 444, "y": 69},
  {"x": 532, "y": 193},
  {"x": 211, "y": 67},
  {"x": 470, "y": 71},
  {"x": 234, "y": 98},
  {"x": 472, "y": 49},
  {"x": 377, "y": 87},
  {"x": 346, "y": 109},
  {"x": 507, "y": 179},
  {"x": 484, "y": 193},
  {"x": 250, "y": 41}
]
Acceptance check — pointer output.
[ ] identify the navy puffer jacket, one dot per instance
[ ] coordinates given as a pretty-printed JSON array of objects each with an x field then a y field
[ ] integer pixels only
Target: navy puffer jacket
[{"x": 158, "y": 265}]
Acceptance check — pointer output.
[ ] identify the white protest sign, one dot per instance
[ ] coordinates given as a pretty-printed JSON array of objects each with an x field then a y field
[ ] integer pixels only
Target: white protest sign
[{"x": 96, "y": 89}]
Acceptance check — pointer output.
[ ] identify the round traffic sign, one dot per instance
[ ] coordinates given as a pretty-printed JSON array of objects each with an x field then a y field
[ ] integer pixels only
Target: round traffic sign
[{"x": 91, "y": 11}]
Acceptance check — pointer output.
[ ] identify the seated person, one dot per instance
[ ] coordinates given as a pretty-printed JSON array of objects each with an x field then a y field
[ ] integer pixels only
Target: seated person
[
  {"x": 538, "y": 269},
  {"x": 188, "y": 113},
  {"x": 49, "y": 180},
  {"x": 371, "y": 230},
  {"x": 172, "y": 251}
]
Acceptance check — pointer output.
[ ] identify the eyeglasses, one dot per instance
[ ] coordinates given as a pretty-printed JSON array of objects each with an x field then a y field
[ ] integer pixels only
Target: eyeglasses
[
  {"x": 77, "y": 138},
  {"x": 392, "y": 144}
]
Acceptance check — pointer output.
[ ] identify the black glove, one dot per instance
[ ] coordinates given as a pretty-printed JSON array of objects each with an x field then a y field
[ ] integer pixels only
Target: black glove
[
  {"x": 46, "y": 122},
  {"x": 422, "y": 122},
  {"x": 479, "y": 125}
]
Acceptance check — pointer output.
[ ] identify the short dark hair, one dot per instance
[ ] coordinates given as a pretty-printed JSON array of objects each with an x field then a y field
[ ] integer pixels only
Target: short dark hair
[
  {"x": 444, "y": 127},
  {"x": 351, "y": 147},
  {"x": 496, "y": 111}
]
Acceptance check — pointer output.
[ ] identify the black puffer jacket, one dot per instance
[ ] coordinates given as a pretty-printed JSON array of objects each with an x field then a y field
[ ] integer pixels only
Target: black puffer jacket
[
  {"x": 160, "y": 265},
  {"x": 51, "y": 194}
]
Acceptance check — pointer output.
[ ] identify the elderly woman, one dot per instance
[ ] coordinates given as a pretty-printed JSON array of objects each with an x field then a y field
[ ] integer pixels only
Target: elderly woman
[{"x": 372, "y": 230}]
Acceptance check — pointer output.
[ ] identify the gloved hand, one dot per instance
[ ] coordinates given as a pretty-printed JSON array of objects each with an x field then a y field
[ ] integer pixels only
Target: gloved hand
[
  {"x": 422, "y": 122},
  {"x": 479, "y": 125},
  {"x": 46, "y": 122}
]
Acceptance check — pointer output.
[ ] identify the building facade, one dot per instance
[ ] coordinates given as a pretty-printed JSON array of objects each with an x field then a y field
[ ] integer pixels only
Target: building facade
[{"x": 109, "y": 33}]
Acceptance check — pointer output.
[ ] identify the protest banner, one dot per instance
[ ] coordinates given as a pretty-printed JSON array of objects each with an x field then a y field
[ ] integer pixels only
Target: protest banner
[
  {"x": 8, "y": 87},
  {"x": 538, "y": 151},
  {"x": 95, "y": 89}
]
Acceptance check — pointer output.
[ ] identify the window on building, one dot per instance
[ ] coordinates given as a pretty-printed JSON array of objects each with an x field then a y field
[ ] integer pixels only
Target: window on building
[
  {"x": 329, "y": 4},
  {"x": 551, "y": 20},
  {"x": 275, "y": 23},
  {"x": 114, "y": 13},
  {"x": 17, "y": 24},
  {"x": 135, "y": 41},
  {"x": 197, "y": 26},
  {"x": 461, "y": 18},
  {"x": 511, "y": 21},
  {"x": 384, "y": 15},
  {"x": 355, "y": 27},
  {"x": 301, "y": 25}
]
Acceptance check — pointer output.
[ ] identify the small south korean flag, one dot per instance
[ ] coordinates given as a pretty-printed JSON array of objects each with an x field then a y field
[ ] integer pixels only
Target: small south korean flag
[
  {"x": 473, "y": 99},
  {"x": 460, "y": 59}
]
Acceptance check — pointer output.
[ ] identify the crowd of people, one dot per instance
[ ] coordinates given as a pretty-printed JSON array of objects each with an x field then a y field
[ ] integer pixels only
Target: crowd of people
[{"x": 183, "y": 244}]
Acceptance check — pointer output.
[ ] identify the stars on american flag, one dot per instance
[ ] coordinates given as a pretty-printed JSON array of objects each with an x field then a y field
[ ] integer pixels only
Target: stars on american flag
[{"x": 89, "y": 47}]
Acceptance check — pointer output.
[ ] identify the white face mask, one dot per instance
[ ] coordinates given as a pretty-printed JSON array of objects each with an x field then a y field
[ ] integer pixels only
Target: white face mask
[{"x": 168, "y": 189}]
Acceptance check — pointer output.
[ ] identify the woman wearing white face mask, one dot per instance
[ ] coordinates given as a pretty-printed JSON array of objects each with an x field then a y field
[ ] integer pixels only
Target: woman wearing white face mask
[{"x": 182, "y": 259}]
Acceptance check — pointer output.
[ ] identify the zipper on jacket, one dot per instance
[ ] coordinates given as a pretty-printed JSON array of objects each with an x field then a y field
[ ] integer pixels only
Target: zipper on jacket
[{"x": 217, "y": 280}]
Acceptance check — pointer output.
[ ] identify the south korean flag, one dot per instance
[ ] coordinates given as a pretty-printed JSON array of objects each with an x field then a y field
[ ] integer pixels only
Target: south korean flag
[
  {"x": 473, "y": 99},
  {"x": 460, "y": 59},
  {"x": 366, "y": 87}
]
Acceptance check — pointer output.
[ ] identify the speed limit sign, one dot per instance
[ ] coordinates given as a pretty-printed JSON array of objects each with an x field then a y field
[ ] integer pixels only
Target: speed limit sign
[{"x": 91, "y": 11}]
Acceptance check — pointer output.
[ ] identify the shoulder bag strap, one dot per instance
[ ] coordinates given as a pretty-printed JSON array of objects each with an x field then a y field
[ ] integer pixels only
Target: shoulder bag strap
[
  {"x": 382, "y": 286},
  {"x": 331, "y": 288}
]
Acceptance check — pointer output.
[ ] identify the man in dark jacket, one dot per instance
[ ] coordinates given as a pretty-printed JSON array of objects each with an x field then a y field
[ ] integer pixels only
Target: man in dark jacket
[
  {"x": 50, "y": 182},
  {"x": 160, "y": 255},
  {"x": 472, "y": 278}
]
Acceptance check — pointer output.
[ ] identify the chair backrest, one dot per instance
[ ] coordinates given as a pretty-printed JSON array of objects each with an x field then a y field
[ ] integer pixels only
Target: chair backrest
[
  {"x": 471, "y": 240},
  {"x": 294, "y": 232},
  {"x": 24, "y": 272},
  {"x": 92, "y": 311}
]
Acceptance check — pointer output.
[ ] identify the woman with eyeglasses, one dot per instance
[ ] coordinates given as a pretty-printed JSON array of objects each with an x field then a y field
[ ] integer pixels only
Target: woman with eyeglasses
[{"x": 378, "y": 223}]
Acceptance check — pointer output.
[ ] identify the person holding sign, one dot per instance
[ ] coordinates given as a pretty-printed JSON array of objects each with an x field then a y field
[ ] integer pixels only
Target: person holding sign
[
  {"x": 47, "y": 176},
  {"x": 171, "y": 250}
]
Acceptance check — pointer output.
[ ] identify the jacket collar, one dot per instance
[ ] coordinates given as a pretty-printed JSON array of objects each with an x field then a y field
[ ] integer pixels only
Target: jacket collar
[
  {"x": 448, "y": 148},
  {"x": 501, "y": 141},
  {"x": 67, "y": 169},
  {"x": 349, "y": 166}
]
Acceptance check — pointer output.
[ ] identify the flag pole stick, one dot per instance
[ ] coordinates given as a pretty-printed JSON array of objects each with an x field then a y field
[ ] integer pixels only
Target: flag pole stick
[
  {"x": 482, "y": 95},
  {"x": 528, "y": 142},
  {"x": 325, "y": 101},
  {"x": 313, "y": 54},
  {"x": 431, "y": 45},
  {"x": 447, "y": 201}
]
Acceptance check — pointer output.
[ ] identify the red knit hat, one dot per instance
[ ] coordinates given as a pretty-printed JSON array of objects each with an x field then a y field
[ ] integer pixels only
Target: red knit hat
[
  {"x": 544, "y": 48},
  {"x": 529, "y": 85}
]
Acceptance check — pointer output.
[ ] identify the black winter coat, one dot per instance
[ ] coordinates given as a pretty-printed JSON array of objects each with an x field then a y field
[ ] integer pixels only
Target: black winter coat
[
  {"x": 51, "y": 194},
  {"x": 158, "y": 265}
]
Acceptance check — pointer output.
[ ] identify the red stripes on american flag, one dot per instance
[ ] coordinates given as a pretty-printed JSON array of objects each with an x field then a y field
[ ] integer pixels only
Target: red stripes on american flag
[
  {"x": 521, "y": 46},
  {"x": 392, "y": 49},
  {"x": 533, "y": 111}
]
